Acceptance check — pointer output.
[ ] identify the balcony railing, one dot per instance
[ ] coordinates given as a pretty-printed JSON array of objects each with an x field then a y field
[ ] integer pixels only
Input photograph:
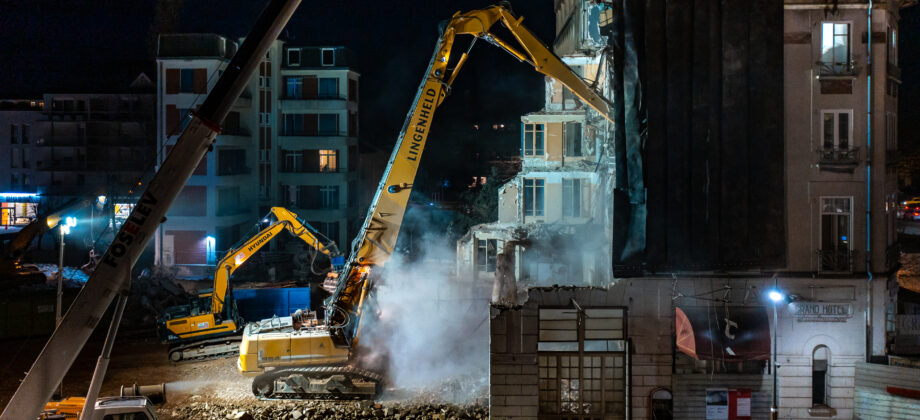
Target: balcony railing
[
  {"x": 236, "y": 170},
  {"x": 835, "y": 261},
  {"x": 322, "y": 133},
  {"x": 837, "y": 68},
  {"x": 839, "y": 156},
  {"x": 337, "y": 96},
  {"x": 299, "y": 169}
]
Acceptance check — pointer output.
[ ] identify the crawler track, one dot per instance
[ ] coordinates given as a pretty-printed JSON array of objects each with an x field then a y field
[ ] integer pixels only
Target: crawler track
[
  {"x": 317, "y": 383},
  {"x": 215, "y": 348}
]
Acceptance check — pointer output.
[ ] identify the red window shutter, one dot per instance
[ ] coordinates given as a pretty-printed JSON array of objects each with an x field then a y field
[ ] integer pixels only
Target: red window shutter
[
  {"x": 201, "y": 81},
  {"x": 172, "y": 119},
  {"x": 172, "y": 81}
]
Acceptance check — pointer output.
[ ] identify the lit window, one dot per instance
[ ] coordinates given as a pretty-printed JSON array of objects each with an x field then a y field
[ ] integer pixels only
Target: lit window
[
  {"x": 328, "y": 160},
  {"x": 835, "y": 48},
  {"x": 533, "y": 139},
  {"x": 836, "y": 233},
  {"x": 533, "y": 197}
]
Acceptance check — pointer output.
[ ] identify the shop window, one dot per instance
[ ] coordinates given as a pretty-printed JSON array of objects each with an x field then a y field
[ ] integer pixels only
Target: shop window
[
  {"x": 485, "y": 254},
  {"x": 582, "y": 363}
]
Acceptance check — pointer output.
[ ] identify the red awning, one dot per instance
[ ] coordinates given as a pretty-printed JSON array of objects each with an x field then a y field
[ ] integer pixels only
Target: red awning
[{"x": 718, "y": 333}]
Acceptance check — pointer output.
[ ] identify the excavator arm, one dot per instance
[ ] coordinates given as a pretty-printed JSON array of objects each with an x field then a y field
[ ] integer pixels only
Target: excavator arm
[
  {"x": 284, "y": 219},
  {"x": 377, "y": 239}
]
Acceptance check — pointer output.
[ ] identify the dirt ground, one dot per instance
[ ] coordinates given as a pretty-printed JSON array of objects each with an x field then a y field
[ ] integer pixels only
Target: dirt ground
[{"x": 210, "y": 389}]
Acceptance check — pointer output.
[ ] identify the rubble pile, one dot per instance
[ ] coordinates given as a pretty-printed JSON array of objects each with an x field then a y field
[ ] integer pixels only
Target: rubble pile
[
  {"x": 151, "y": 292},
  {"x": 306, "y": 410}
]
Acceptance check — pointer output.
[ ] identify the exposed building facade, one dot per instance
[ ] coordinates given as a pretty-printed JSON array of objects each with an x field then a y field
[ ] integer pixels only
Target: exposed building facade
[
  {"x": 290, "y": 140},
  {"x": 684, "y": 327},
  {"x": 18, "y": 192}
]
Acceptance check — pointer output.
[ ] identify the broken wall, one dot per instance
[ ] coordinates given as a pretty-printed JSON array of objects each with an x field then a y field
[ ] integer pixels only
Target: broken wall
[{"x": 698, "y": 94}]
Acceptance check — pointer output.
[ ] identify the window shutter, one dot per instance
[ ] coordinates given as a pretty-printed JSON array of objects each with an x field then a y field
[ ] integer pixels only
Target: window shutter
[
  {"x": 310, "y": 87},
  {"x": 310, "y": 124},
  {"x": 201, "y": 81},
  {"x": 172, "y": 81},
  {"x": 172, "y": 118},
  {"x": 310, "y": 160}
]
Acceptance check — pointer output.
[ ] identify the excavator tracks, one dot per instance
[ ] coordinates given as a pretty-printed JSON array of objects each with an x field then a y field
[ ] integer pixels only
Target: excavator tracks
[
  {"x": 215, "y": 348},
  {"x": 318, "y": 383}
]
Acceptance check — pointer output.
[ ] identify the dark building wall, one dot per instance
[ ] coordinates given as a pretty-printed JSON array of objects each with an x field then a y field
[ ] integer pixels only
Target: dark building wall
[{"x": 710, "y": 152}]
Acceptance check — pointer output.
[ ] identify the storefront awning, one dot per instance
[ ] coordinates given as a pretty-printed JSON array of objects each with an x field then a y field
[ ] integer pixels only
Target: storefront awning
[{"x": 720, "y": 333}]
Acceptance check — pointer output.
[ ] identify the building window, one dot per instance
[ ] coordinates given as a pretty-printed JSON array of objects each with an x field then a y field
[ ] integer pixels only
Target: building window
[
  {"x": 293, "y": 57},
  {"x": 819, "y": 383},
  {"x": 892, "y": 46},
  {"x": 837, "y": 129},
  {"x": 533, "y": 197},
  {"x": 328, "y": 87},
  {"x": 485, "y": 254},
  {"x": 571, "y": 197},
  {"x": 293, "y": 161},
  {"x": 836, "y": 233},
  {"x": 26, "y": 131},
  {"x": 328, "y": 160},
  {"x": 231, "y": 162},
  {"x": 328, "y": 124},
  {"x": 533, "y": 139},
  {"x": 329, "y": 196},
  {"x": 328, "y": 57},
  {"x": 187, "y": 81},
  {"x": 835, "y": 48},
  {"x": 891, "y": 131},
  {"x": 328, "y": 229},
  {"x": 293, "y": 124},
  {"x": 293, "y": 87},
  {"x": 264, "y": 119},
  {"x": 14, "y": 134},
  {"x": 16, "y": 158},
  {"x": 572, "y": 131},
  {"x": 582, "y": 362}
]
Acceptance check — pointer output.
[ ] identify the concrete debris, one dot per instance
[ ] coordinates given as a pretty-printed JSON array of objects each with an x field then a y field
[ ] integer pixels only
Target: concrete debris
[{"x": 307, "y": 410}]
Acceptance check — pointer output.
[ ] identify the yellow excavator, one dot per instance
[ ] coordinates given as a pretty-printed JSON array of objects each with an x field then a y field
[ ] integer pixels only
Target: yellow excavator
[
  {"x": 209, "y": 325},
  {"x": 299, "y": 356}
]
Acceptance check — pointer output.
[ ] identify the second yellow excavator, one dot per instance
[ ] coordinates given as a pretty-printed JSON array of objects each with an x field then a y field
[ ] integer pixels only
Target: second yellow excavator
[
  {"x": 300, "y": 357},
  {"x": 209, "y": 325}
]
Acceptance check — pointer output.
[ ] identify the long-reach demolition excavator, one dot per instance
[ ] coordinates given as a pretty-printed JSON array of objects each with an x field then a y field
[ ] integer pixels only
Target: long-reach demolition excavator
[
  {"x": 209, "y": 325},
  {"x": 112, "y": 276},
  {"x": 295, "y": 357}
]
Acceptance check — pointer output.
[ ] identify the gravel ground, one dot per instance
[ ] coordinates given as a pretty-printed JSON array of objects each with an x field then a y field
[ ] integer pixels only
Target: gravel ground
[{"x": 215, "y": 390}]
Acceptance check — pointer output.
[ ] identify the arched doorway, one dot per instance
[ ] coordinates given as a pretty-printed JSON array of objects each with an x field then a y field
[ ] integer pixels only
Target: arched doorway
[{"x": 662, "y": 404}]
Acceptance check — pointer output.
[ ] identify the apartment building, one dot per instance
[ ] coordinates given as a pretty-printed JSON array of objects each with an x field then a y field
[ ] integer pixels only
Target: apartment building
[
  {"x": 751, "y": 168},
  {"x": 18, "y": 193},
  {"x": 290, "y": 140}
]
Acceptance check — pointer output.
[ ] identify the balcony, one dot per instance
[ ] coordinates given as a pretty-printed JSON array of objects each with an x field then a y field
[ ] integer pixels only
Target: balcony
[
  {"x": 836, "y": 68},
  {"x": 838, "y": 160},
  {"x": 835, "y": 261}
]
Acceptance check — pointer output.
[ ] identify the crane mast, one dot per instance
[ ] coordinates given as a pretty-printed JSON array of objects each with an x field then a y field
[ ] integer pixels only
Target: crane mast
[{"x": 112, "y": 276}]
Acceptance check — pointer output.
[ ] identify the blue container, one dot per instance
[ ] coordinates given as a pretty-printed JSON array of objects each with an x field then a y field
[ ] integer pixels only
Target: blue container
[{"x": 258, "y": 304}]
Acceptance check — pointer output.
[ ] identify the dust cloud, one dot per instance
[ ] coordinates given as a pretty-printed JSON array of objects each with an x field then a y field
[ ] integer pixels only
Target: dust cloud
[{"x": 432, "y": 327}]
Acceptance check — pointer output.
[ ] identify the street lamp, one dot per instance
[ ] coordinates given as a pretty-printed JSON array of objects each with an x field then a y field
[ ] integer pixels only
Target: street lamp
[
  {"x": 776, "y": 296},
  {"x": 64, "y": 227}
]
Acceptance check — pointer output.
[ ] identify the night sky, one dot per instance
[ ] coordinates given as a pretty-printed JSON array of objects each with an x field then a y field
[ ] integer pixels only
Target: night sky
[
  {"x": 65, "y": 46},
  {"x": 85, "y": 44}
]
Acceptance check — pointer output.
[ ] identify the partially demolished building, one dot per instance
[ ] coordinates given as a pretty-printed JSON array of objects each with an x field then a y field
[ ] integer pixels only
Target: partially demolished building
[{"x": 632, "y": 263}]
